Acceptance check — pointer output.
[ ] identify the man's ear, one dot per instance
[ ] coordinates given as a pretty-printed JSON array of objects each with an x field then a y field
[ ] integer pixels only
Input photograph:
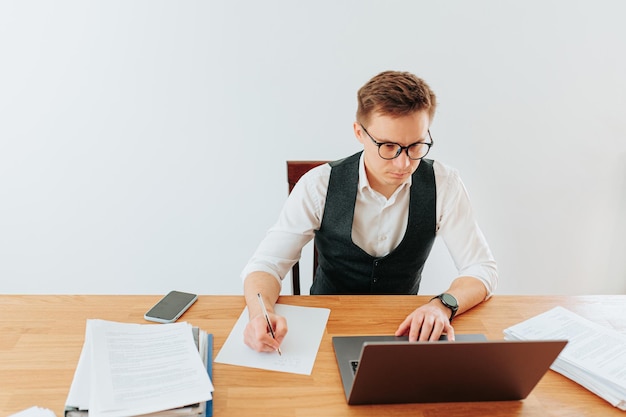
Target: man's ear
[{"x": 358, "y": 132}]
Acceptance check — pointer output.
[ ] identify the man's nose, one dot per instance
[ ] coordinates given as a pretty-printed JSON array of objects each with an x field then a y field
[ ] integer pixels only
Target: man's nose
[{"x": 402, "y": 160}]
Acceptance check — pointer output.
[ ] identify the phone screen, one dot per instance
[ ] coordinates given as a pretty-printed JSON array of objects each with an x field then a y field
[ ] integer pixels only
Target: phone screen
[{"x": 171, "y": 307}]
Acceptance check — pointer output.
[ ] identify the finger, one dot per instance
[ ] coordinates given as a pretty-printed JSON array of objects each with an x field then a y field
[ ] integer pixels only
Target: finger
[
  {"x": 266, "y": 343},
  {"x": 420, "y": 329},
  {"x": 450, "y": 332},
  {"x": 403, "y": 327},
  {"x": 271, "y": 347},
  {"x": 280, "y": 328},
  {"x": 425, "y": 330},
  {"x": 436, "y": 331}
]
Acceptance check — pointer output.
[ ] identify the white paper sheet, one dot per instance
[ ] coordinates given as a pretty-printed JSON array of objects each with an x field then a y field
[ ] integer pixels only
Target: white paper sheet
[
  {"x": 34, "y": 412},
  {"x": 299, "y": 348},
  {"x": 129, "y": 369},
  {"x": 595, "y": 356}
]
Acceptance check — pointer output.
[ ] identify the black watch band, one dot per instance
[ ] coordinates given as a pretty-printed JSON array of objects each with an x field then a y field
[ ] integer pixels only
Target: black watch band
[{"x": 449, "y": 301}]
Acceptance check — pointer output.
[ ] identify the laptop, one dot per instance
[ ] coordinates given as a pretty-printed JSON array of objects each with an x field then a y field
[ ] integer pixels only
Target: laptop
[{"x": 389, "y": 369}]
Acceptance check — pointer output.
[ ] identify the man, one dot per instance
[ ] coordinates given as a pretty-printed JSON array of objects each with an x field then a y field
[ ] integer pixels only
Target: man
[{"x": 374, "y": 217}]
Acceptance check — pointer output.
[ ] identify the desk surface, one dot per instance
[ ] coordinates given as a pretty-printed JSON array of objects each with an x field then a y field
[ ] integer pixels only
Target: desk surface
[{"x": 41, "y": 338}]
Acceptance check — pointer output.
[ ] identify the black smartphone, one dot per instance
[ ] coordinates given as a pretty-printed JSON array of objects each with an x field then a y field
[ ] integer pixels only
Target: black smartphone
[{"x": 170, "y": 307}]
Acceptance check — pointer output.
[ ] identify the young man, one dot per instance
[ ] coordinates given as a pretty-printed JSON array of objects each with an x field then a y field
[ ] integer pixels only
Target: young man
[{"x": 374, "y": 217}]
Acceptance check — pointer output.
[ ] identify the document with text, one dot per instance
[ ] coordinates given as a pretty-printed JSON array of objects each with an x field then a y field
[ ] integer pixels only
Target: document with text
[
  {"x": 130, "y": 369},
  {"x": 595, "y": 356},
  {"x": 299, "y": 348}
]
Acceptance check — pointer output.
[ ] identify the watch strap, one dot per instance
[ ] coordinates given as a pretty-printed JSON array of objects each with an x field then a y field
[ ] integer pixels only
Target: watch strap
[{"x": 453, "y": 305}]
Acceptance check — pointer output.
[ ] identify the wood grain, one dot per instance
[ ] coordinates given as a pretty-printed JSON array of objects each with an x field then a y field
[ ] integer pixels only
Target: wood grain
[{"x": 41, "y": 338}]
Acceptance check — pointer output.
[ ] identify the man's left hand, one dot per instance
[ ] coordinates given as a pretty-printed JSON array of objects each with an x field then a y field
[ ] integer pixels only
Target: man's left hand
[{"x": 427, "y": 323}]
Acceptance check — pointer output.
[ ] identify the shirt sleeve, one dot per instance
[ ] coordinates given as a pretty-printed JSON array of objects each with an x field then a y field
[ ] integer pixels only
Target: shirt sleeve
[
  {"x": 458, "y": 228},
  {"x": 299, "y": 218}
]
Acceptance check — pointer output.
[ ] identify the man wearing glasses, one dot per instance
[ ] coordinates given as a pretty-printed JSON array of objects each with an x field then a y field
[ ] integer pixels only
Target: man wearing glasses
[{"x": 374, "y": 216}]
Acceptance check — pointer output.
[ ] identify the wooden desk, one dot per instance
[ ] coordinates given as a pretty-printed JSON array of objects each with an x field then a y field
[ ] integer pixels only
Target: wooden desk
[{"x": 41, "y": 338}]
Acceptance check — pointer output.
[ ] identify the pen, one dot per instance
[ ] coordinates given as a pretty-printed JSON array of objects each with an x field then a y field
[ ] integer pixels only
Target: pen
[{"x": 267, "y": 319}]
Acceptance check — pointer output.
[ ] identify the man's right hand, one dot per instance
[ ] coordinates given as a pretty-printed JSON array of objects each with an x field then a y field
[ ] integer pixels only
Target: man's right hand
[
  {"x": 256, "y": 334},
  {"x": 258, "y": 337}
]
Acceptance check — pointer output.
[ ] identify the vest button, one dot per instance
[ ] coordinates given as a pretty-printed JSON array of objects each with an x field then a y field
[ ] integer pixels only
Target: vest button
[{"x": 375, "y": 280}]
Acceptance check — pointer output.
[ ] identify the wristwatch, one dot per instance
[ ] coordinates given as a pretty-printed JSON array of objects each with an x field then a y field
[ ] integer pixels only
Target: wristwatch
[{"x": 449, "y": 301}]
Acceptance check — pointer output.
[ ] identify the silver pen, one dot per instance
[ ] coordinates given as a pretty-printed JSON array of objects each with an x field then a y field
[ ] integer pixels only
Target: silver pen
[{"x": 267, "y": 319}]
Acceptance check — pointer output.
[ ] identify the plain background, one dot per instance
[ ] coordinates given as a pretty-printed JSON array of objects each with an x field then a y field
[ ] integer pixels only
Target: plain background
[{"x": 143, "y": 143}]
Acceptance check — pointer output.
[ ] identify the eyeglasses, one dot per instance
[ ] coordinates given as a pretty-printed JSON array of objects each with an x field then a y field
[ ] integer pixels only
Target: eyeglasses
[{"x": 391, "y": 150}]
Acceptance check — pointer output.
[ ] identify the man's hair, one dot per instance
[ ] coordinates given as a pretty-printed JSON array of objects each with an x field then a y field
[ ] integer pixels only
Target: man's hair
[{"x": 394, "y": 93}]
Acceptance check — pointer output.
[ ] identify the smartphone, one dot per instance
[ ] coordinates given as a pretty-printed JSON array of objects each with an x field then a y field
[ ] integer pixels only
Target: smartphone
[{"x": 170, "y": 307}]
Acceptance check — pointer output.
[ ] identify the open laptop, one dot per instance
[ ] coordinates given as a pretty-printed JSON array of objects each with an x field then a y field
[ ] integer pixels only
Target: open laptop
[{"x": 388, "y": 369}]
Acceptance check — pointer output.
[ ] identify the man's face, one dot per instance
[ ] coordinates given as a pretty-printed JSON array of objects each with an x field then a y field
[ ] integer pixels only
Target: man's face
[{"x": 386, "y": 175}]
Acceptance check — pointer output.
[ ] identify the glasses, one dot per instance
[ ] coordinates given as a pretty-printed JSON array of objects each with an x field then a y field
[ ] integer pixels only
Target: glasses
[{"x": 391, "y": 150}]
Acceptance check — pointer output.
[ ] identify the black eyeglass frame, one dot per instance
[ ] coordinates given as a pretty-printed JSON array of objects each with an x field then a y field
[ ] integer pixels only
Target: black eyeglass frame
[{"x": 401, "y": 148}]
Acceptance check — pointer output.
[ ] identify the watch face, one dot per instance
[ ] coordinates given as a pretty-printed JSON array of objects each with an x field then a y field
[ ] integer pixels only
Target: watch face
[{"x": 449, "y": 300}]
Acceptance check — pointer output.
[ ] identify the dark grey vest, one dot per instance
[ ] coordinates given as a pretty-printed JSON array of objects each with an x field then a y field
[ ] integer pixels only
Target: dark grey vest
[{"x": 345, "y": 268}]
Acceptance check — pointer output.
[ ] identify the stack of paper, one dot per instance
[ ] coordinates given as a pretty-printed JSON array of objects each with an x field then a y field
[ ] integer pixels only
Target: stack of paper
[
  {"x": 595, "y": 356},
  {"x": 132, "y": 369},
  {"x": 34, "y": 412}
]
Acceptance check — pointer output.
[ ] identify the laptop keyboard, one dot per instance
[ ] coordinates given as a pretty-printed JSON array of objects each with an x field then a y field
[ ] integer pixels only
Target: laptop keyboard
[{"x": 354, "y": 365}]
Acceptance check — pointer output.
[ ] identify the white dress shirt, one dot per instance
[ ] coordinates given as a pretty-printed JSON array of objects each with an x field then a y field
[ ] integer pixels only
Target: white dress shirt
[{"x": 379, "y": 224}]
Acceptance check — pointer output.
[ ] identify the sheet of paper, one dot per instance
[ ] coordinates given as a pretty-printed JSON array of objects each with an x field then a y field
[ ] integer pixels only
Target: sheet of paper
[
  {"x": 139, "y": 369},
  {"x": 593, "y": 347},
  {"x": 34, "y": 412},
  {"x": 299, "y": 348},
  {"x": 79, "y": 390},
  {"x": 595, "y": 356}
]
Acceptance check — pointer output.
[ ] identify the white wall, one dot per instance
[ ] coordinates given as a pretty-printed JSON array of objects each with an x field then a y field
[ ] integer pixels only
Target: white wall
[{"x": 143, "y": 143}]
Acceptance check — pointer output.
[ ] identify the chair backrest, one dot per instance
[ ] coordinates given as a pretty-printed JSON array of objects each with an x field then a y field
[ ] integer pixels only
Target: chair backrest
[{"x": 296, "y": 169}]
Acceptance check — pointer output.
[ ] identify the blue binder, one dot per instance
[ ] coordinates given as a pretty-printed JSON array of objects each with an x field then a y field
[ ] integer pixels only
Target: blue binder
[{"x": 209, "y": 369}]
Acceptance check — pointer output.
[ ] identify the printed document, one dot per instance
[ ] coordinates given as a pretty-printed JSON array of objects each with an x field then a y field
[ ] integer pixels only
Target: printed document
[
  {"x": 299, "y": 348},
  {"x": 595, "y": 356},
  {"x": 129, "y": 369}
]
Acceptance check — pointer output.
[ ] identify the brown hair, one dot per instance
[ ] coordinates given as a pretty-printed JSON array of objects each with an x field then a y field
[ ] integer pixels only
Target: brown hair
[{"x": 395, "y": 93}]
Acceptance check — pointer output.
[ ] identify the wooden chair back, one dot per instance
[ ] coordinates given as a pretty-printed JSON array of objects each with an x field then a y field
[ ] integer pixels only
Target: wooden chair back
[{"x": 295, "y": 170}]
